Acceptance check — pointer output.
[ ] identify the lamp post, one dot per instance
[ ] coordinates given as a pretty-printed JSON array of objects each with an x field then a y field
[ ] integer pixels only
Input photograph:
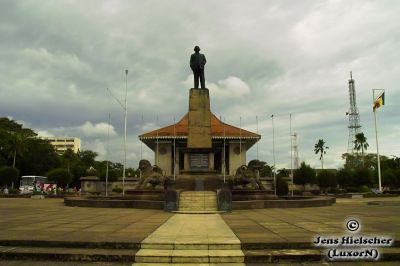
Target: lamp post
[
  {"x": 108, "y": 140},
  {"x": 125, "y": 108}
]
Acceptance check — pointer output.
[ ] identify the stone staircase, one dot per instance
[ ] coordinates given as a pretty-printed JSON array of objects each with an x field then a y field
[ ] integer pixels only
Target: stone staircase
[
  {"x": 191, "y": 239},
  {"x": 190, "y": 253},
  {"x": 197, "y": 202}
]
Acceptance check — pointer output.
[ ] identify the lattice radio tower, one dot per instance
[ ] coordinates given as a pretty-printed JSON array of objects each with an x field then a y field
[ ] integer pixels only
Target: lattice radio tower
[{"x": 354, "y": 116}]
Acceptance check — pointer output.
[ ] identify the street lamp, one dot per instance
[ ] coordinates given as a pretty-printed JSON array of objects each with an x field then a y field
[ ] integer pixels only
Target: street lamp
[{"x": 125, "y": 108}]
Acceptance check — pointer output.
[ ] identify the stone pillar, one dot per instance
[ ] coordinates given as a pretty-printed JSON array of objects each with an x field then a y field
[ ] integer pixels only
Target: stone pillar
[
  {"x": 235, "y": 160},
  {"x": 186, "y": 161},
  {"x": 199, "y": 135},
  {"x": 211, "y": 161},
  {"x": 164, "y": 156}
]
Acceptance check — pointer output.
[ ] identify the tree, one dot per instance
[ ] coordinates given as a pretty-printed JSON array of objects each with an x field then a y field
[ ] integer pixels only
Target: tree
[
  {"x": 344, "y": 177},
  {"x": 362, "y": 177},
  {"x": 360, "y": 143},
  {"x": 8, "y": 175},
  {"x": 389, "y": 178},
  {"x": 303, "y": 175},
  {"x": 326, "y": 179},
  {"x": 320, "y": 147},
  {"x": 282, "y": 188},
  {"x": 88, "y": 157},
  {"x": 13, "y": 138},
  {"x": 283, "y": 173},
  {"x": 69, "y": 157},
  {"x": 60, "y": 175},
  {"x": 18, "y": 142},
  {"x": 265, "y": 170},
  {"x": 39, "y": 157}
]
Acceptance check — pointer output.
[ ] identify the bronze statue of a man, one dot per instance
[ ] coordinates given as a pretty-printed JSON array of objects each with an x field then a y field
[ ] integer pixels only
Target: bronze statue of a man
[{"x": 197, "y": 62}]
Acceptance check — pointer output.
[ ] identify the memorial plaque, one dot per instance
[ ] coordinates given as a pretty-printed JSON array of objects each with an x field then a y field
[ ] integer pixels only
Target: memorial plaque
[{"x": 198, "y": 161}]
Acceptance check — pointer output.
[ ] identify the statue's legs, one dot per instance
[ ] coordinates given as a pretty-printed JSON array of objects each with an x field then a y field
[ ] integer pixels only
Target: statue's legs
[
  {"x": 196, "y": 79},
  {"x": 202, "y": 79}
]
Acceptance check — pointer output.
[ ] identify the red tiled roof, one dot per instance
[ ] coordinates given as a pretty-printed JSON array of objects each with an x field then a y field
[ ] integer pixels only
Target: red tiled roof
[{"x": 217, "y": 130}]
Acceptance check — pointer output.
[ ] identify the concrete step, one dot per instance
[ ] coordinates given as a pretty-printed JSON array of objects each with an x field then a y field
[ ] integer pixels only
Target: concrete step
[
  {"x": 191, "y": 246},
  {"x": 190, "y": 264},
  {"x": 66, "y": 254},
  {"x": 189, "y": 256},
  {"x": 198, "y": 200},
  {"x": 306, "y": 255}
]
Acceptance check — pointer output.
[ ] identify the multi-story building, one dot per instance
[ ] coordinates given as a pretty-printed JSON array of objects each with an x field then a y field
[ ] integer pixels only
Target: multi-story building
[{"x": 62, "y": 144}]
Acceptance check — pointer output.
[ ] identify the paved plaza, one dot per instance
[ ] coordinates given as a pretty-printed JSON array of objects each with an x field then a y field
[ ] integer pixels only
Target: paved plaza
[
  {"x": 301, "y": 225},
  {"x": 48, "y": 220}
]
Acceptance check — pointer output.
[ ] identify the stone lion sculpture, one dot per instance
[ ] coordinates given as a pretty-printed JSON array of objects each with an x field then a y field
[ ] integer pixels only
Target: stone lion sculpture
[
  {"x": 152, "y": 176},
  {"x": 246, "y": 177}
]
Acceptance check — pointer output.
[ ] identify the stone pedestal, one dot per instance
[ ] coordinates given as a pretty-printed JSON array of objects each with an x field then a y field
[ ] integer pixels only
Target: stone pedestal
[
  {"x": 199, "y": 133},
  {"x": 199, "y": 156}
]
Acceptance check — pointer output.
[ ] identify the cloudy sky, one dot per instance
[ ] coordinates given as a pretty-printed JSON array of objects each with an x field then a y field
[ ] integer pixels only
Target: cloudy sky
[{"x": 57, "y": 59}]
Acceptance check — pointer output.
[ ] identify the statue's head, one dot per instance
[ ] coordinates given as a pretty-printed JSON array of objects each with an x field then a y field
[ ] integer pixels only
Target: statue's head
[
  {"x": 196, "y": 48},
  {"x": 144, "y": 164}
]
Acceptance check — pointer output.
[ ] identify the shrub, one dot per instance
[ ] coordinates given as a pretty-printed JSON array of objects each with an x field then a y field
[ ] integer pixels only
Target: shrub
[
  {"x": 13, "y": 191},
  {"x": 315, "y": 192},
  {"x": 117, "y": 190},
  {"x": 364, "y": 189},
  {"x": 297, "y": 192},
  {"x": 335, "y": 190},
  {"x": 353, "y": 189},
  {"x": 282, "y": 187}
]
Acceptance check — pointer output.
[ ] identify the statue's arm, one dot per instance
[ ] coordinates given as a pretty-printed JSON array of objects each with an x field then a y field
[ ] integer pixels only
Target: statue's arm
[
  {"x": 204, "y": 59},
  {"x": 192, "y": 62}
]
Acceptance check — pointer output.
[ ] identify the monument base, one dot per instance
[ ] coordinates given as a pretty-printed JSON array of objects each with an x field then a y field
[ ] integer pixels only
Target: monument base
[
  {"x": 199, "y": 160},
  {"x": 199, "y": 172}
]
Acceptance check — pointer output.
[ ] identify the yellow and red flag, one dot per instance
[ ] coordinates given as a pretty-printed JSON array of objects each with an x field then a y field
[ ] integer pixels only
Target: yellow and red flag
[{"x": 379, "y": 101}]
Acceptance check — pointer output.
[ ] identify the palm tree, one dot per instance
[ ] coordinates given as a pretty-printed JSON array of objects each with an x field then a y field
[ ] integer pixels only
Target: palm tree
[
  {"x": 68, "y": 158},
  {"x": 360, "y": 143},
  {"x": 320, "y": 147},
  {"x": 17, "y": 141}
]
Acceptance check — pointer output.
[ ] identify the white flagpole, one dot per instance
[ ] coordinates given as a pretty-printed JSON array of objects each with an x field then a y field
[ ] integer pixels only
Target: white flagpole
[
  {"x": 141, "y": 151},
  {"x": 291, "y": 151},
  {"x": 273, "y": 152},
  {"x": 224, "y": 154},
  {"x": 174, "y": 149},
  {"x": 377, "y": 146},
  {"x": 240, "y": 142},
  {"x": 141, "y": 143},
  {"x": 156, "y": 163},
  {"x": 126, "y": 118},
  {"x": 257, "y": 134}
]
